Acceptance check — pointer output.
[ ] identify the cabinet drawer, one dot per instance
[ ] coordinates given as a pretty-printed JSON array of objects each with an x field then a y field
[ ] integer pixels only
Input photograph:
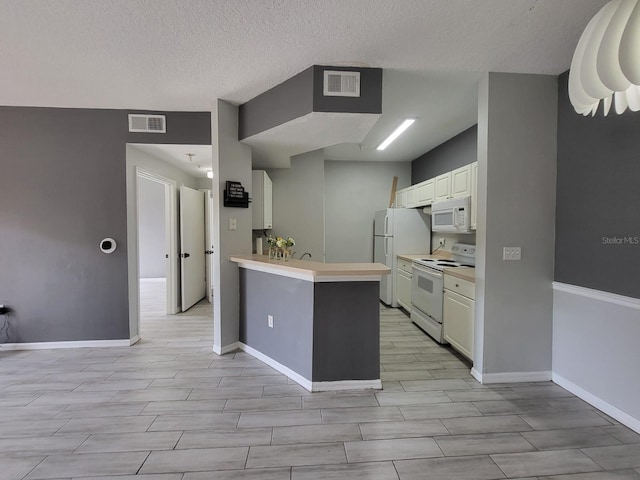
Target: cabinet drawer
[
  {"x": 458, "y": 285},
  {"x": 404, "y": 265}
]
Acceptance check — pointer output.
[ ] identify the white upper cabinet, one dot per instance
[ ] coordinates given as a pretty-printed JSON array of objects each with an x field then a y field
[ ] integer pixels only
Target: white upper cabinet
[
  {"x": 262, "y": 200},
  {"x": 461, "y": 182},
  {"x": 425, "y": 192},
  {"x": 458, "y": 183},
  {"x": 443, "y": 187},
  {"x": 412, "y": 200},
  {"x": 474, "y": 195}
]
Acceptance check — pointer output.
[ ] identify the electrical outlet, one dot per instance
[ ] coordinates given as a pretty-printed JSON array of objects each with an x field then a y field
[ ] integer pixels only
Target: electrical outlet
[
  {"x": 511, "y": 253},
  {"x": 442, "y": 241},
  {"x": 233, "y": 224},
  {"x": 270, "y": 321}
]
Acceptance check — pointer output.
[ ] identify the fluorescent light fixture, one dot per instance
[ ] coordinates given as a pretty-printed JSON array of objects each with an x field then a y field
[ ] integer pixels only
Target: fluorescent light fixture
[
  {"x": 210, "y": 174},
  {"x": 396, "y": 133}
]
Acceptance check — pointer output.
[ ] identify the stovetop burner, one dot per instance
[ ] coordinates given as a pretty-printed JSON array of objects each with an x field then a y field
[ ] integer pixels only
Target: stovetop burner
[{"x": 463, "y": 256}]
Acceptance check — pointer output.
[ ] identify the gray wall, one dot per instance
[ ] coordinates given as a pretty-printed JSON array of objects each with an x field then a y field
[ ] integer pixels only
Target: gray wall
[
  {"x": 64, "y": 190},
  {"x": 595, "y": 335},
  {"x": 151, "y": 234},
  {"x": 456, "y": 152},
  {"x": 298, "y": 203},
  {"x": 302, "y": 94},
  {"x": 290, "y": 99},
  {"x": 290, "y": 301},
  {"x": 322, "y": 331},
  {"x": 231, "y": 161},
  {"x": 516, "y": 206},
  {"x": 346, "y": 331},
  {"x": 598, "y": 196},
  {"x": 369, "y": 101},
  {"x": 354, "y": 191}
]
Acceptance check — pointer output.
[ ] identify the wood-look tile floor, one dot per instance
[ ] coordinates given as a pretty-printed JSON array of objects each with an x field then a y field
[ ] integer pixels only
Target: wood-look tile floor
[{"x": 170, "y": 409}]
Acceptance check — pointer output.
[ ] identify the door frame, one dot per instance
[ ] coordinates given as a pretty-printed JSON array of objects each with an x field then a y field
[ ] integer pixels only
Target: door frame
[{"x": 171, "y": 236}]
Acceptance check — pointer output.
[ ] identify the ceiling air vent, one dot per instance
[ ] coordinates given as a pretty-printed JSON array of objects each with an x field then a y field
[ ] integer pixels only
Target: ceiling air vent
[
  {"x": 341, "y": 84},
  {"x": 147, "y": 123}
]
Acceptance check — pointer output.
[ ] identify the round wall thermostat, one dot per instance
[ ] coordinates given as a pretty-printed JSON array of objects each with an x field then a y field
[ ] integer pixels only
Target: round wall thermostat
[{"x": 108, "y": 245}]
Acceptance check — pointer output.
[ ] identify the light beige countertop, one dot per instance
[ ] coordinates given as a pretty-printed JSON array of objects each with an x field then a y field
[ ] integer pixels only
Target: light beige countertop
[
  {"x": 465, "y": 273},
  {"x": 314, "y": 271}
]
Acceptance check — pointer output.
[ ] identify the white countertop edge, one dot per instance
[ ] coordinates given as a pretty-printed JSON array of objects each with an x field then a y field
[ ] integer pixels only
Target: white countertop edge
[{"x": 266, "y": 268}]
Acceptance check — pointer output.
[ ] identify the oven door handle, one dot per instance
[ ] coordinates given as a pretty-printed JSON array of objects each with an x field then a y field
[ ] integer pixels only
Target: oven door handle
[{"x": 426, "y": 271}]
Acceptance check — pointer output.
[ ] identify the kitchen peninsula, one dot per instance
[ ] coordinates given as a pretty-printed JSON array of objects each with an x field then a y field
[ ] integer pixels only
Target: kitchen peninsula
[{"x": 318, "y": 323}]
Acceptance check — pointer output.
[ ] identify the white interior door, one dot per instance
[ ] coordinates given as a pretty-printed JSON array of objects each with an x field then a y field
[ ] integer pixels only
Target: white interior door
[
  {"x": 208, "y": 225},
  {"x": 192, "y": 246}
]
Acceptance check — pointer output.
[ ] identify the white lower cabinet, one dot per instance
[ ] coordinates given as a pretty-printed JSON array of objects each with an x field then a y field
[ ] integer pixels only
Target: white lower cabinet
[
  {"x": 459, "y": 304},
  {"x": 403, "y": 281}
]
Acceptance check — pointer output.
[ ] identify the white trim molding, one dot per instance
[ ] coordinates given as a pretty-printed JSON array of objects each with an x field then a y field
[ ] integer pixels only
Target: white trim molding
[
  {"x": 60, "y": 345},
  {"x": 347, "y": 385},
  {"x": 134, "y": 340},
  {"x": 308, "y": 384},
  {"x": 232, "y": 347},
  {"x": 511, "y": 377},
  {"x": 599, "y": 295},
  {"x": 606, "y": 407}
]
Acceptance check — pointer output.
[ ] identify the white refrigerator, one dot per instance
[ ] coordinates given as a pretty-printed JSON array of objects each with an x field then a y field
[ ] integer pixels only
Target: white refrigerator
[{"x": 398, "y": 231}]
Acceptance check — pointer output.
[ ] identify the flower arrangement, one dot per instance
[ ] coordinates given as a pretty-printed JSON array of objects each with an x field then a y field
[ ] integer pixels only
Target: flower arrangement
[{"x": 280, "y": 247}]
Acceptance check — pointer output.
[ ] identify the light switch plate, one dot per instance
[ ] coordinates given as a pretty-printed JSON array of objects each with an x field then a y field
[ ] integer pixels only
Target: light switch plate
[{"x": 511, "y": 253}]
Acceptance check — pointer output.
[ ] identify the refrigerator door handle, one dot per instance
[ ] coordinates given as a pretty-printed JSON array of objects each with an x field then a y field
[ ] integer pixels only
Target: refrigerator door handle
[
  {"x": 386, "y": 224},
  {"x": 386, "y": 246}
]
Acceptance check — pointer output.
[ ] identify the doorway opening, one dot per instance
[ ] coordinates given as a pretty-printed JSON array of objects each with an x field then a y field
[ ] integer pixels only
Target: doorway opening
[
  {"x": 158, "y": 273},
  {"x": 165, "y": 269}
]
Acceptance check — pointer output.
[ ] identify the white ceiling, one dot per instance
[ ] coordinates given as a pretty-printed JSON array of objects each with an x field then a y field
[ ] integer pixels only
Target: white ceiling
[
  {"x": 176, "y": 155},
  {"x": 184, "y": 54}
]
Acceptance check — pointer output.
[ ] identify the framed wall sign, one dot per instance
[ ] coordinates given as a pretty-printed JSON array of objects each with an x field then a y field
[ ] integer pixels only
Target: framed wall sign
[{"x": 235, "y": 196}]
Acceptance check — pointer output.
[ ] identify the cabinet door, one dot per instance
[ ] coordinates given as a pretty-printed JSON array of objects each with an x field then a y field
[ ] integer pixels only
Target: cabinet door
[
  {"x": 411, "y": 197},
  {"x": 401, "y": 198},
  {"x": 474, "y": 195},
  {"x": 443, "y": 186},
  {"x": 426, "y": 192},
  {"x": 268, "y": 202},
  {"x": 461, "y": 182},
  {"x": 458, "y": 322},
  {"x": 404, "y": 290}
]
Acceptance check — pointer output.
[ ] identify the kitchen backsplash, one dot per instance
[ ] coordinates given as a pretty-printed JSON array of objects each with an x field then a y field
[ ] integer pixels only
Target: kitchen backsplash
[{"x": 450, "y": 239}]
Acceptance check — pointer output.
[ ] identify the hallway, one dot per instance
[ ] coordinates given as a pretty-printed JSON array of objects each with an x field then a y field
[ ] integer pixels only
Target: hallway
[{"x": 170, "y": 407}]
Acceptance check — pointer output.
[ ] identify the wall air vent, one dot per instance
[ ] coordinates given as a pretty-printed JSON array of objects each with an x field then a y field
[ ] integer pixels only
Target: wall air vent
[
  {"x": 147, "y": 123},
  {"x": 341, "y": 84}
]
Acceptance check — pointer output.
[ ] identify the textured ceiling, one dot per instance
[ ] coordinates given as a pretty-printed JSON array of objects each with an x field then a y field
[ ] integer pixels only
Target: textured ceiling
[{"x": 182, "y": 54}]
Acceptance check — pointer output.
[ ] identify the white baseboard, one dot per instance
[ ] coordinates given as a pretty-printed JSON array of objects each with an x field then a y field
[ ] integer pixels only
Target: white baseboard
[
  {"x": 622, "y": 417},
  {"x": 232, "y": 347},
  {"x": 134, "y": 340},
  {"x": 308, "y": 384},
  {"x": 510, "y": 377},
  {"x": 296, "y": 377},
  {"x": 476, "y": 374},
  {"x": 59, "y": 345},
  {"x": 346, "y": 385}
]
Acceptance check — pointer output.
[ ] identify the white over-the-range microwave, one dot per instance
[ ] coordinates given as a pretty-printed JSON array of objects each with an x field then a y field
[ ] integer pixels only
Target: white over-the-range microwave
[{"x": 452, "y": 216}]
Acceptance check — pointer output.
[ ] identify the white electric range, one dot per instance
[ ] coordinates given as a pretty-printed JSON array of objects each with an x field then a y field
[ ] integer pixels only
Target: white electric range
[{"x": 427, "y": 287}]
